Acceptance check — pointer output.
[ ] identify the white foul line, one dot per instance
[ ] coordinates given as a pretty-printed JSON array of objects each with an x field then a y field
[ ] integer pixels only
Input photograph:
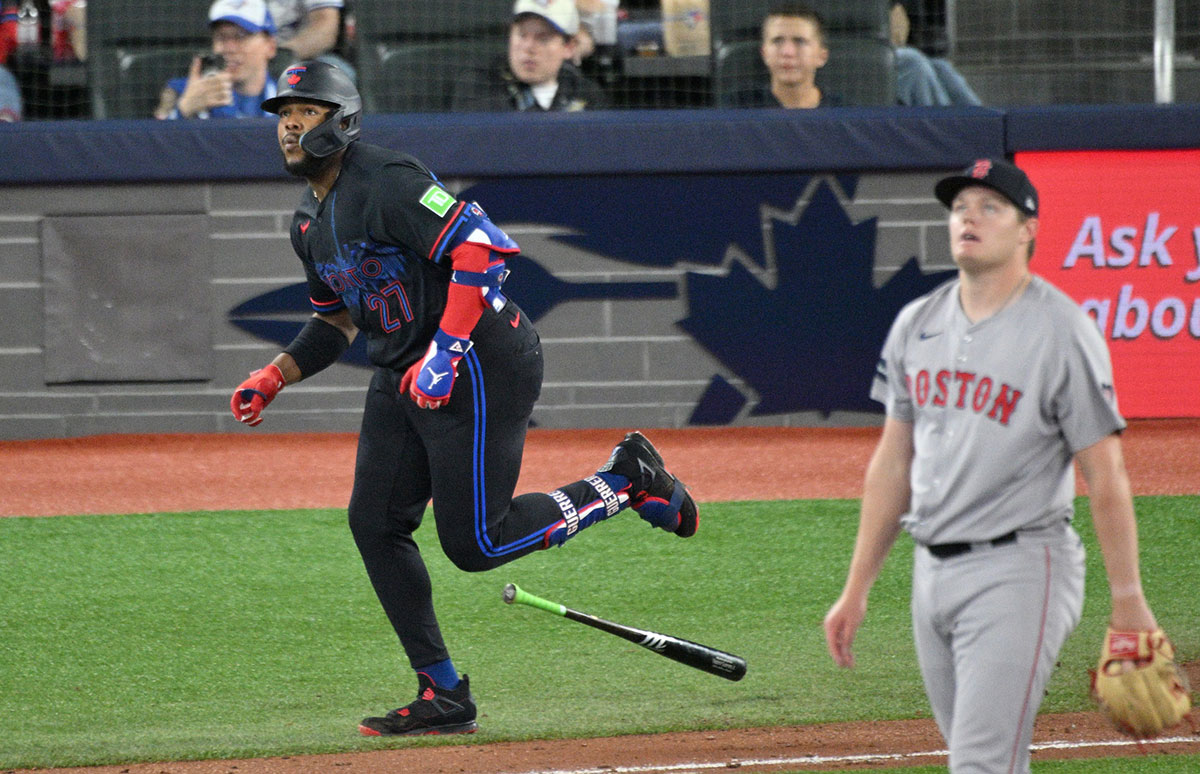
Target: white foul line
[{"x": 810, "y": 760}]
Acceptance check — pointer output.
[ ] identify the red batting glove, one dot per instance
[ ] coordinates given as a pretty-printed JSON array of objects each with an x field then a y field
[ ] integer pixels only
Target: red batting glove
[{"x": 253, "y": 395}]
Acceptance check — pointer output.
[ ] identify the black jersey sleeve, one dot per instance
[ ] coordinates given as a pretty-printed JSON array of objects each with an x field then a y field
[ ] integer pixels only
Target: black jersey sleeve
[
  {"x": 410, "y": 208},
  {"x": 320, "y": 295}
]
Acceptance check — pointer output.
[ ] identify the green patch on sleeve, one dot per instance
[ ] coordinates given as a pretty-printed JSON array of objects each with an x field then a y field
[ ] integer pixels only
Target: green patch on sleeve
[{"x": 437, "y": 200}]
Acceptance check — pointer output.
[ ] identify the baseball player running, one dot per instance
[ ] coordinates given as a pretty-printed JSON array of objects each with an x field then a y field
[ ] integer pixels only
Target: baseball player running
[
  {"x": 389, "y": 252},
  {"x": 993, "y": 383}
]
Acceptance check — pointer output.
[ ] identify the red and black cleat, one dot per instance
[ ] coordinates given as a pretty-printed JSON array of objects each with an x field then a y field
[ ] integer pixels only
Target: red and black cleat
[
  {"x": 659, "y": 497},
  {"x": 436, "y": 711}
]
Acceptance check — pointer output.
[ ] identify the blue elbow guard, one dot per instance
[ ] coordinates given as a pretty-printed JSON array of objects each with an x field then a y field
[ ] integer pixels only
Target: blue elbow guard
[
  {"x": 477, "y": 228},
  {"x": 489, "y": 283}
]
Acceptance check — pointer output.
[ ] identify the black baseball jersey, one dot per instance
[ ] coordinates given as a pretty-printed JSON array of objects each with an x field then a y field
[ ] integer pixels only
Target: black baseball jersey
[{"x": 378, "y": 246}]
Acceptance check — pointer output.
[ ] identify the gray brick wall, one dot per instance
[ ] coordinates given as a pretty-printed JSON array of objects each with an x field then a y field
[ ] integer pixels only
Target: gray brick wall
[{"x": 609, "y": 363}]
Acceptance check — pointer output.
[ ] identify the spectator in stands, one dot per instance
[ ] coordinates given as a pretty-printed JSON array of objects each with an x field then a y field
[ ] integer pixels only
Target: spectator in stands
[
  {"x": 922, "y": 79},
  {"x": 539, "y": 73},
  {"x": 68, "y": 29},
  {"x": 237, "y": 80},
  {"x": 793, "y": 49},
  {"x": 68, "y": 25},
  {"x": 310, "y": 29},
  {"x": 8, "y": 29},
  {"x": 10, "y": 97},
  {"x": 597, "y": 27}
]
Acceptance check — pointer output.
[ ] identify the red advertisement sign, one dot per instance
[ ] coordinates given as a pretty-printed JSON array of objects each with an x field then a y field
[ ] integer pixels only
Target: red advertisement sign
[{"x": 1120, "y": 233}]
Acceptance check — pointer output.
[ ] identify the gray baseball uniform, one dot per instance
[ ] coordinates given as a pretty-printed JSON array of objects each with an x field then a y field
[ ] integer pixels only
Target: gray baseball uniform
[{"x": 998, "y": 409}]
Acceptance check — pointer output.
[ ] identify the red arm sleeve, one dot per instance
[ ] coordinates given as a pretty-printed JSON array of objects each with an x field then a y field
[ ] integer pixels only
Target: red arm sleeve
[{"x": 464, "y": 303}]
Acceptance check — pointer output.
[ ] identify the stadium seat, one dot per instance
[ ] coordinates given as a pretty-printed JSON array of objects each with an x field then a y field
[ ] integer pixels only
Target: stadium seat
[
  {"x": 410, "y": 52},
  {"x": 733, "y": 20},
  {"x": 126, "y": 81},
  {"x": 134, "y": 48},
  {"x": 419, "y": 77},
  {"x": 136, "y": 21},
  {"x": 861, "y": 68},
  {"x": 378, "y": 21},
  {"x": 861, "y": 71}
]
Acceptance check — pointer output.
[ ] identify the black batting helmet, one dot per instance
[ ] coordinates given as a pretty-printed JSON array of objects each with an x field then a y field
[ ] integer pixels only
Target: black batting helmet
[{"x": 317, "y": 81}]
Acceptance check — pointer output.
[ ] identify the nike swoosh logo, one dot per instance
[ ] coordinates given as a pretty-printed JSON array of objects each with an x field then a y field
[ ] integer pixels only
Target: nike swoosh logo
[
  {"x": 516, "y": 320},
  {"x": 304, "y": 227},
  {"x": 925, "y": 335}
]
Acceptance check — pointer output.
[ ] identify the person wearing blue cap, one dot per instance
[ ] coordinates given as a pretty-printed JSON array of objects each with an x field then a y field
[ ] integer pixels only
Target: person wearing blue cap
[{"x": 234, "y": 80}]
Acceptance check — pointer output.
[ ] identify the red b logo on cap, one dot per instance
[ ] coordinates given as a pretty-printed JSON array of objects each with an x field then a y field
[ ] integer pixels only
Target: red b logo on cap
[{"x": 981, "y": 168}]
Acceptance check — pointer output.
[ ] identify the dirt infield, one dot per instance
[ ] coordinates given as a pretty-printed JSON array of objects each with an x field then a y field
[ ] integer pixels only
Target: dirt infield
[
  {"x": 130, "y": 474},
  {"x": 143, "y": 474}
]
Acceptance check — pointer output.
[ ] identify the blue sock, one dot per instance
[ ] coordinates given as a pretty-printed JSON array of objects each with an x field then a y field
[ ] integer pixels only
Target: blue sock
[
  {"x": 617, "y": 483},
  {"x": 443, "y": 674},
  {"x": 658, "y": 512}
]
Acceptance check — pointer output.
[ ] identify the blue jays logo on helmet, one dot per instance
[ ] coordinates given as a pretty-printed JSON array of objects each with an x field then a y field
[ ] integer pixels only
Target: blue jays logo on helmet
[
  {"x": 294, "y": 74},
  {"x": 317, "y": 81}
]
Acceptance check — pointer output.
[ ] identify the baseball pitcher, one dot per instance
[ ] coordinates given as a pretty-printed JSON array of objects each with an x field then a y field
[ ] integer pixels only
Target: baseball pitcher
[{"x": 994, "y": 384}]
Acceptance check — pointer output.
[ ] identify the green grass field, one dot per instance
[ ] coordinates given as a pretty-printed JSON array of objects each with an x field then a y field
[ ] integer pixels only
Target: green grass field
[{"x": 238, "y": 634}]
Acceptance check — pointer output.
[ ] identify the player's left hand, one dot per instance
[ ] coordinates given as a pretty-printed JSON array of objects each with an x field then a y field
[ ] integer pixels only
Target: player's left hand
[
  {"x": 1137, "y": 683},
  {"x": 430, "y": 380}
]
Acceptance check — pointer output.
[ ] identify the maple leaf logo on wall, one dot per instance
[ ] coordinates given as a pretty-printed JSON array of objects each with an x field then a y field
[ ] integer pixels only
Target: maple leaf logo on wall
[
  {"x": 811, "y": 341},
  {"x": 779, "y": 290}
]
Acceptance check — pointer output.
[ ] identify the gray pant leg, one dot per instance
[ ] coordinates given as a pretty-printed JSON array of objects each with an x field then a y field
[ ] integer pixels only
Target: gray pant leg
[
  {"x": 998, "y": 619},
  {"x": 934, "y": 655}
]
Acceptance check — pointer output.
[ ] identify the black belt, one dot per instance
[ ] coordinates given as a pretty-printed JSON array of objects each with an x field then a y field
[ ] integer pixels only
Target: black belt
[{"x": 947, "y": 550}]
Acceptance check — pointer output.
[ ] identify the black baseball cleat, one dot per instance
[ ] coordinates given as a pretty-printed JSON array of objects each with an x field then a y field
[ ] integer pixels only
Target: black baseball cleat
[
  {"x": 436, "y": 711},
  {"x": 657, "y": 496}
]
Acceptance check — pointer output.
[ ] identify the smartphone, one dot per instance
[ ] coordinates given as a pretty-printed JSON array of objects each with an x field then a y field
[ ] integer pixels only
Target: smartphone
[{"x": 211, "y": 63}]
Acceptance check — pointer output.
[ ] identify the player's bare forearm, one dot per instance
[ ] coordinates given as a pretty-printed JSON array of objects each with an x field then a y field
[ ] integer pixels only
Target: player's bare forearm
[
  {"x": 886, "y": 496},
  {"x": 1111, "y": 499},
  {"x": 287, "y": 366}
]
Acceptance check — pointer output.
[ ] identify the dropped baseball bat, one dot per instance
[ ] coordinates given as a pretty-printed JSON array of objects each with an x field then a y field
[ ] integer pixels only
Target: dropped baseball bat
[{"x": 702, "y": 657}]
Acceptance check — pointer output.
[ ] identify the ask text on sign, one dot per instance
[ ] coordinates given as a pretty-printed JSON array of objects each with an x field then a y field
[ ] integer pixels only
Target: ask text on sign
[{"x": 1120, "y": 233}]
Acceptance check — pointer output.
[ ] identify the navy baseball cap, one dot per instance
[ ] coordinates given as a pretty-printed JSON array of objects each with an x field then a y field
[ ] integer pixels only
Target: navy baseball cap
[{"x": 997, "y": 174}]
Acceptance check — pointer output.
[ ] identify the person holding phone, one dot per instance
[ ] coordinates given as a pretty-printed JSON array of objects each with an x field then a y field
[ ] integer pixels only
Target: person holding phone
[{"x": 232, "y": 80}]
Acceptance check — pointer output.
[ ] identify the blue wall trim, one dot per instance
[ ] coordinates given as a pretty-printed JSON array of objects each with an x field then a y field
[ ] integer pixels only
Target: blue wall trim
[
  {"x": 1103, "y": 127},
  {"x": 603, "y": 142}
]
